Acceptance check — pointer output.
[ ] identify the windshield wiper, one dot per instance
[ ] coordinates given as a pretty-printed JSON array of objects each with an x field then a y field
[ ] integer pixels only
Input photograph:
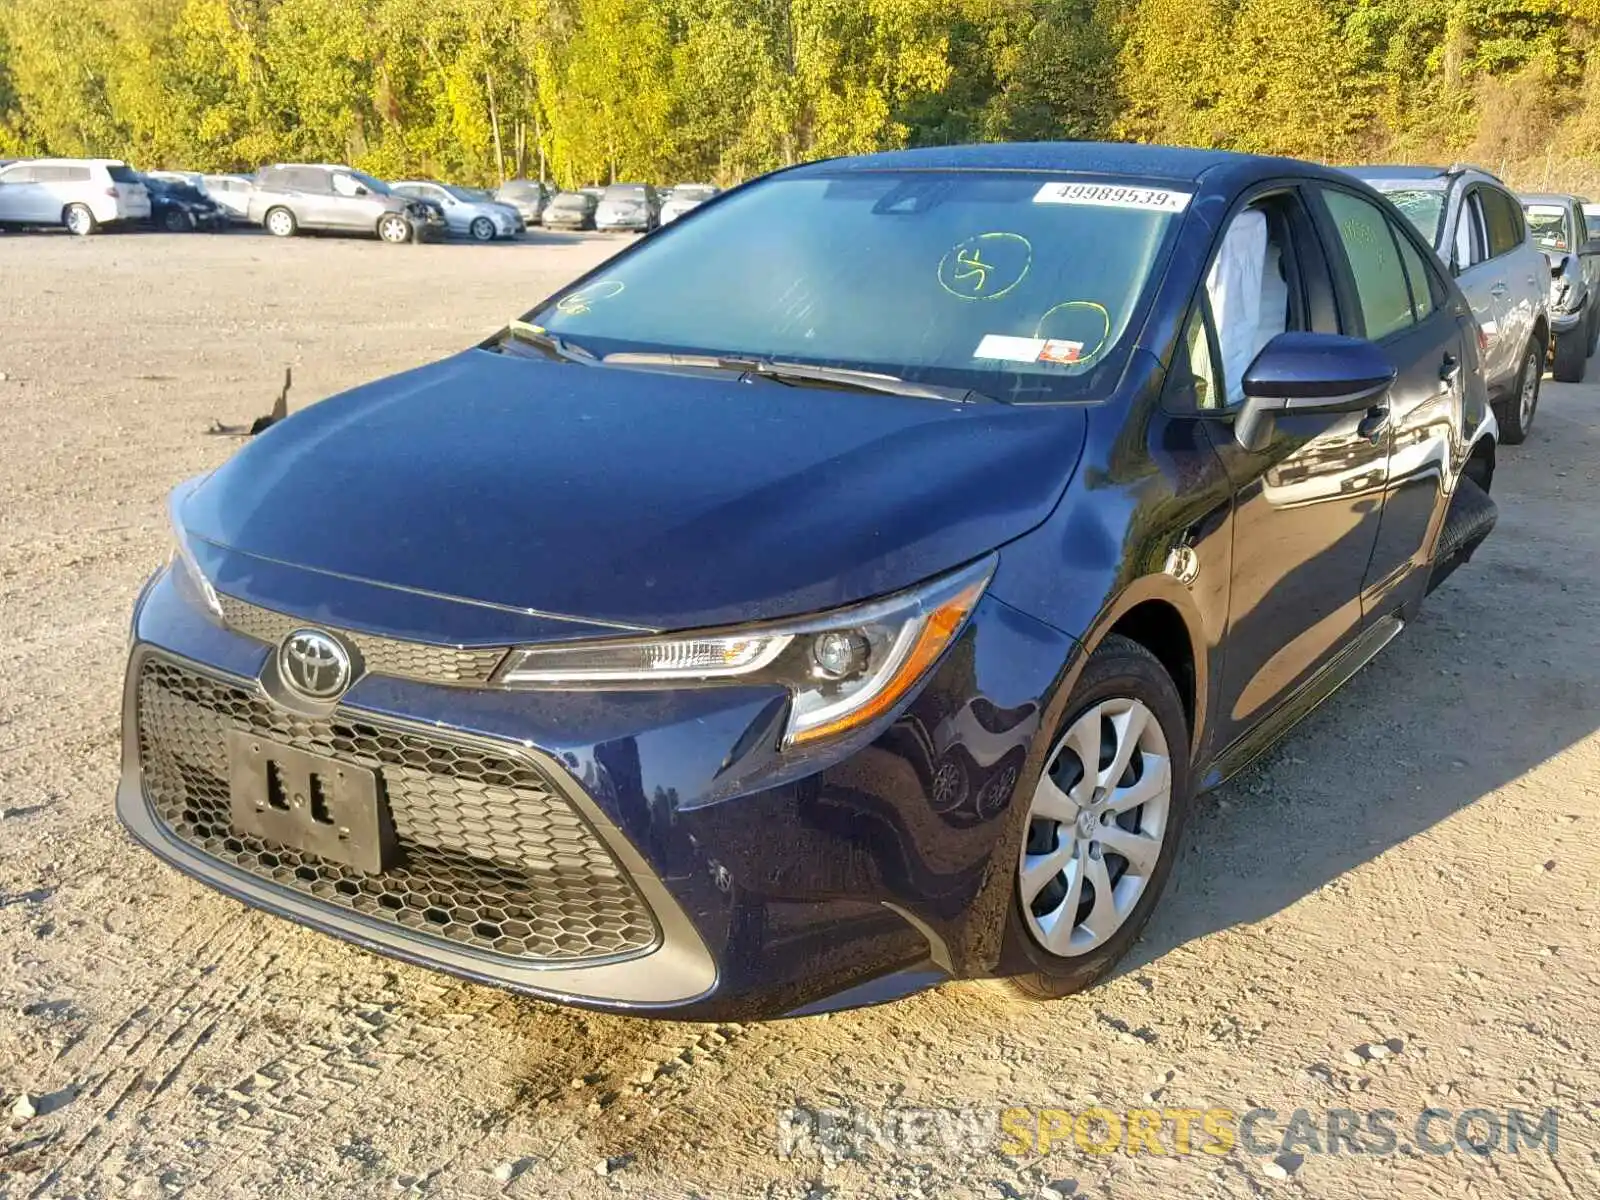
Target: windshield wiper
[
  {"x": 552, "y": 346},
  {"x": 799, "y": 374}
]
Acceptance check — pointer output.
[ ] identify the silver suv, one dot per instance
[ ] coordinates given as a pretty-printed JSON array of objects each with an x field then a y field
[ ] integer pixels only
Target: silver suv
[
  {"x": 1476, "y": 226},
  {"x": 289, "y": 197}
]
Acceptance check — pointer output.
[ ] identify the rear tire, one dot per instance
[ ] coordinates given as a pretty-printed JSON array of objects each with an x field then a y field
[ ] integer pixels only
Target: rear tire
[
  {"x": 1572, "y": 355},
  {"x": 481, "y": 229},
  {"x": 1515, "y": 413},
  {"x": 280, "y": 222},
  {"x": 79, "y": 220},
  {"x": 1125, "y": 708}
]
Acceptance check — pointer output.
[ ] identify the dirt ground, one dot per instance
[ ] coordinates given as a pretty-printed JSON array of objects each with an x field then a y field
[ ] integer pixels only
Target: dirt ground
[{"x": 1416, "y": 866}]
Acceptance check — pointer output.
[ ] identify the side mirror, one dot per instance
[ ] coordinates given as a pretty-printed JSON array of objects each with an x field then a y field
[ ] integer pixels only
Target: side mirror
[
  {"x": 361, "y": 189},
  {"x": 1298, "y": 373}
]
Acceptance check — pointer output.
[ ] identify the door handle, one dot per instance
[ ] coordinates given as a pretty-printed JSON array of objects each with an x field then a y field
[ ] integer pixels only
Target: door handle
[
  {"x": 1372, "y": 425},
  {"x": 1449, "y": 371}
]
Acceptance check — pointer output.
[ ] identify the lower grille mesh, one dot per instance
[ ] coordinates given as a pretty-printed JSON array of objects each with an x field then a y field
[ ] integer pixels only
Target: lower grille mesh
[{"x": 492, "y": 856}]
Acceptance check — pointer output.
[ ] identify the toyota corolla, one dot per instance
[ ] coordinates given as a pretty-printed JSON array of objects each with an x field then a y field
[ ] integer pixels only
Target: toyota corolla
[{"x": 846, "y": 590}]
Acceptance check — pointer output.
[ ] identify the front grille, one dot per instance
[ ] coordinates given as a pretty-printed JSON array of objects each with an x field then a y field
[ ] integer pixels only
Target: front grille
[
  {"x": 380, "y": 655},
  {"x": 491, "y": 855}
]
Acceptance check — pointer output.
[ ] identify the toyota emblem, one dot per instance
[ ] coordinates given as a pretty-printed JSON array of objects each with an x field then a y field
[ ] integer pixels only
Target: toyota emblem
[{"x": 314, "y": 665}]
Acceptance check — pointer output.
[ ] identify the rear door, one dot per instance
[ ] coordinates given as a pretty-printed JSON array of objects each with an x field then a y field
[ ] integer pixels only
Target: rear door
[
  {"x": 1396, "y": 297},
  {"x": 1523, "y": 275}
]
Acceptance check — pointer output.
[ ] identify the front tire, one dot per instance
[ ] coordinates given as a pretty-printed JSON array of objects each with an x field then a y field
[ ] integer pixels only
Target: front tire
[
  {"x": 1515, "y": 412},
  {"x": 481, "y": 229},
  {"x": 280, "y": 222},
  {"x": 394, "y": 229},
  {"x": 1103, "y": 823},
  {"x": 79, "y": 220},
  {"x": 176, "y": 221},
  {"x": 1572, "y": 355}
]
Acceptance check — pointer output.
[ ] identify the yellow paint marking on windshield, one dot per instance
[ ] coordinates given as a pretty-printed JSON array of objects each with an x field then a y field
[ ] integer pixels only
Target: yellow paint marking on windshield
[
  {"x": 579, "y": 302},
  {"x": 1065, "y": 314},
  {"x": 985, "y": 266}
]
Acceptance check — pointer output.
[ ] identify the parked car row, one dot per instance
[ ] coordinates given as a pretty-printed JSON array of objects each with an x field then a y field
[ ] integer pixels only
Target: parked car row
[
  {"x": 87, "y": 195},
  {"x": 630, "y": 207}
]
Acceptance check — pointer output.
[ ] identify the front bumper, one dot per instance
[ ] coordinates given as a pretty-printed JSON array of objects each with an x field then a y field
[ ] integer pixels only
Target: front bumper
[{"x": 776, "y": 883}]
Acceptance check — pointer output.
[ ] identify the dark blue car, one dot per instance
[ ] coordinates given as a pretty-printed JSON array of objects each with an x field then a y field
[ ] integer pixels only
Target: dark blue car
[{"x": 846, "y": 588}]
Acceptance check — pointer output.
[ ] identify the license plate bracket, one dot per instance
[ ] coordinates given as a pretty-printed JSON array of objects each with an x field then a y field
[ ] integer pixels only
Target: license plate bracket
[{"x": 309, "y": 802}]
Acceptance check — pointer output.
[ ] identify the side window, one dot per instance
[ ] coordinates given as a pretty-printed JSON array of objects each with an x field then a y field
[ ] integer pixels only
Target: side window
[
  {"x": 77, "y": 174},
  {"x": 1193, "y": 385},
  {"x": 343, "y": 185},
  {"x": 1426, "y": 292},
  {"x": 50, "y": 174},
  {"x": 1503, "y": 218},
  {"x": 1471, "y": 247},
  {"x": 1248, "y": 292},
  {"x": 1369, "y": 247},
  {"x": 302, "y": 180},
  {"x": 17, "y": 175}
]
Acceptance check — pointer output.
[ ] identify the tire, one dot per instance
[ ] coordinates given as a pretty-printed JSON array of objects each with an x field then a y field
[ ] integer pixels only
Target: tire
[
  {"x": 1515, "y": 413},
  {"x": 1121, "y": 681},
  {"x": 1594, "y": 326},
  {"x": 394, "y": 229},
  {"x": 79, "y": 220},
  {"x": 280, "y": 222},
  {"x": 481, "y": 229},
  {"x": 176, "y": 221},
  {"x": 1572, "y": 355}
]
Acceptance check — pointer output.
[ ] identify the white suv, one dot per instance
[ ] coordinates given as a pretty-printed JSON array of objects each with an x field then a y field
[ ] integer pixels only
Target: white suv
[{"x": 81, "y": 193}]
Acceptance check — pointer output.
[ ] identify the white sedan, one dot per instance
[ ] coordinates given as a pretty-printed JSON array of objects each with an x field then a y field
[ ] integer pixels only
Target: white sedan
[{"x": 468, "y": 212}]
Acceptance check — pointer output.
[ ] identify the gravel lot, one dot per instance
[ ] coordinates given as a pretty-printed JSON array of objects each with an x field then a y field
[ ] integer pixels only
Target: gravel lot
[{"x": 1417, "y": 863}]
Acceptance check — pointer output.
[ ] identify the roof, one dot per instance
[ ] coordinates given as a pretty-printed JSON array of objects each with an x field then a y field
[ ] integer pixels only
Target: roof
[
  {"x": 1175, "y": 163},
  {"x": 1547, "y": 198},
  {"x": 93, "y": 162}
]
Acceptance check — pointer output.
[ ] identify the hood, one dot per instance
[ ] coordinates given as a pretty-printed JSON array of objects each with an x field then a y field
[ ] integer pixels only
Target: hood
[{"x": 650, "y": 499}]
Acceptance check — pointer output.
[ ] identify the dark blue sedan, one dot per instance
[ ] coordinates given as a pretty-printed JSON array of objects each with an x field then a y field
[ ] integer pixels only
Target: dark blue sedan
[{"x": 847, "y": 588}]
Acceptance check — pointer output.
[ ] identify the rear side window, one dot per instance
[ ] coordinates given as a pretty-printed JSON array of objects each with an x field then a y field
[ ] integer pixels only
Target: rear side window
[
  {"x": 120, "y": 173},
  {"x": 1369, "y": 246},
  {"x": 1427, "y": 293},
  {"x": 19, "y": 175},
  {"x": 1503, "y": 217}
]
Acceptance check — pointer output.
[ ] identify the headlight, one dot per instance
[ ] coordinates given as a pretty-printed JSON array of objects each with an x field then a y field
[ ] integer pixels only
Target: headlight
[
  {"x": 843, "y": 669},
  {"x": 1560, "y": 293},
  {"x": 189, "y": 576}
]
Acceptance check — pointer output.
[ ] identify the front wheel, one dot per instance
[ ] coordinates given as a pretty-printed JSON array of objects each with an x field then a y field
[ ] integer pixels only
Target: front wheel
[
  {"x": 482, "y": 229},
  {"x": 394, "y": 229},
  {"x": 1515, "y": 412},
  {"x": 1572, "y": 355},
  {"x": 177, "y": 221},
  {"x": 79, "y": 220},
  {"x": 1103, "y": 823}
]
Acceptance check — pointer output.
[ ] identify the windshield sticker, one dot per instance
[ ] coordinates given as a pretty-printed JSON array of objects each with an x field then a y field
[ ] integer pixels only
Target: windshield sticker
[
  {"x": 986, "y": 266},
  {"x": 1009, "y": 349},
  {"x": 1056, "y": 350},
  {"x": 1105, "y": 195},
  {"x": 1084, "y": 322},
  {"x": 581, "y": 301}
]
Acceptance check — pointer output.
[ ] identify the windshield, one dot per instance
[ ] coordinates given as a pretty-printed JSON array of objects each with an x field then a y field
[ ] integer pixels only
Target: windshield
[
  {"x": 520, "y": 187},
  {"x": 1019, "y": 286},
  {"x": 572, "y": 200},
  {"x": 1547, "y": 223},
  {"x": 376, "y": 186},
  {"x": 1422, "y": 204},
  {"x": 625, "y": 191},
  {"x": 690, "y": 192}
]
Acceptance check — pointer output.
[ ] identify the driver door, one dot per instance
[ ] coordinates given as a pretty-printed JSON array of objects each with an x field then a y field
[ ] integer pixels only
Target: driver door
[{"x": 1307, "y": 504}]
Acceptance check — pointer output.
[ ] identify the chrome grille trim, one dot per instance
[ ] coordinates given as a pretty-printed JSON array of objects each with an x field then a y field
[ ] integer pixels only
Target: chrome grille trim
[{"x": 422, "y": 661}]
